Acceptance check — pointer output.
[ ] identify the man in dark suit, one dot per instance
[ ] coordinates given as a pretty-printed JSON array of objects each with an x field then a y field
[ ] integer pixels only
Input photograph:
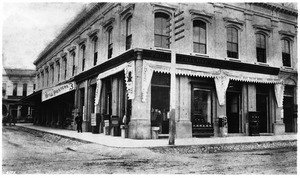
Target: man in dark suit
[{"x": 79, "y": 121}]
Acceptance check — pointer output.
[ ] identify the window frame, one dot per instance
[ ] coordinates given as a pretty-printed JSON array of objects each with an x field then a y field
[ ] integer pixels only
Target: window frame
[
  {"x": 199, "y": 43},
  {"x": 230, "y": 54},
  {"x": 83, "y": 55},
  {"x": 286, "y": 54},
  {"x": 161, "y": 36},
  {"x": 128, "y": 40},
  {"x": 95, "y": 50},
  {"x": 109, "y": 43},
  {"x": 261, "y": 50},
  {"x": 15, "y": 89},
  {"x": 24, "y": 89}
]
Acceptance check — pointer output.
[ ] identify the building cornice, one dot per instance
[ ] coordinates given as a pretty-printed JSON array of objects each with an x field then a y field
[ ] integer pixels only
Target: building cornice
[{"x": 71, "y": 27}]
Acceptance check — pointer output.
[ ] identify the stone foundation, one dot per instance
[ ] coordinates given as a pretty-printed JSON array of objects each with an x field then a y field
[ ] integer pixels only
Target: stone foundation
[
  {"x": 184, "y": 129},
  {"x": 139, "y": 129},
  {"x": 279, "y": 128}
]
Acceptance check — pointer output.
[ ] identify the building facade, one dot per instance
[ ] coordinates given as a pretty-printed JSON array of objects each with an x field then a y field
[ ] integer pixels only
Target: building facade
[
  {"x": 124, "y": 65},
  {"x": 16, "y": 84}
]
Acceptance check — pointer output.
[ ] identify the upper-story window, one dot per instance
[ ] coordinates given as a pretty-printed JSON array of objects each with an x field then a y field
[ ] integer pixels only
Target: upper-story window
[
  {"x": 161, "y": 28},
  {"x": 83, "y": 56},
  {"x": 42, "y": 79},
  {"x": 128, "y": 33},
  {"x": 232, "y": 43},
  {"x": 65, "y": 66},
  {"x": 286, "y": 53},
  {"x": 47, "y": 80},
  {"x": 261, "y": 54},
  {"x": 25, "y": 89},
  {"x": 15, "y": 89},
  {"x": 52, "y": 73},
  {"x": 3, "y": 89},
  {"x": 58, "y": 71},
  {"x": 109, "y": 41},
  {"x": 199, "y": 36},
  {"x": 95, "y": 49},
  {"x": 73, "y": 63},
  {"x": 34, "y": 86}
]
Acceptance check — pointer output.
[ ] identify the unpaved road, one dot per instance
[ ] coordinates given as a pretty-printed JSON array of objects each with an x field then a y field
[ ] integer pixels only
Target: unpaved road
[{"x": 28, "y": 152}]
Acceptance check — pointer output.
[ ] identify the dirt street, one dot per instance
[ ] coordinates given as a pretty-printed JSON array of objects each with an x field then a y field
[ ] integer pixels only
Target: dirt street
[{"x": 30, "y": 152}]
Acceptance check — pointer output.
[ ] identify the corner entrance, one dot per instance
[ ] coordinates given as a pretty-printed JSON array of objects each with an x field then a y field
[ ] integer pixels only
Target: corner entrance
[{"x": 160, "y": 102}]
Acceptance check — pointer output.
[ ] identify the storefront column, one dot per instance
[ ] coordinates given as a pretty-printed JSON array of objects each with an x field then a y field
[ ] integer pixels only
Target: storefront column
[
  {"x": 115, "y": 101},
  {"x": 245, "y": 120},
  {"x": 139, "y": 125},
  {"x": 86, "y": 125},
  {"x": 183, "y": 106},
  {"x": 252, "y": 97}
]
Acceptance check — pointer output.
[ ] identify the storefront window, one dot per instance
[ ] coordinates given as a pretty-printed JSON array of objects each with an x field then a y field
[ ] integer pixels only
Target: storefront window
[{"x": 202, "y": 107}]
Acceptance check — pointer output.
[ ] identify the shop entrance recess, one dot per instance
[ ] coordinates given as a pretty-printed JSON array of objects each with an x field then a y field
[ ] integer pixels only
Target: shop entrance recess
[
  {"x": 262, "y": 106},
  {"x": 288, "y": 109},
  {"x": 160, "y": 102},
  {"x": 233, "y": 107}
]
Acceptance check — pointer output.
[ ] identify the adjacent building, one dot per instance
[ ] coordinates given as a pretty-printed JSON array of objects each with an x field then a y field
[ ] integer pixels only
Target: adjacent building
[
  {"x": 124, "y": 65},
  {"x": 16, "y": 84}
]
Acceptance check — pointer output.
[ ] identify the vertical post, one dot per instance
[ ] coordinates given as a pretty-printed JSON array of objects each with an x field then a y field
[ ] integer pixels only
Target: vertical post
[{"x": 172, "y": 100}]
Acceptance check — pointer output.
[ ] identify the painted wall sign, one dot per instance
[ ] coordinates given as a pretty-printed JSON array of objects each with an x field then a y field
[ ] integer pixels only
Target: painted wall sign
[{"x": 57, "y": 90}]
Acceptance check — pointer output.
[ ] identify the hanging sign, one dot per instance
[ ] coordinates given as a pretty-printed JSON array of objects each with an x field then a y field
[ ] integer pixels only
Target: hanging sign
[
  {"x": 221, "y": 83},
  {"x": 279, "y": 92},
  {"x": 57, "y": 90},
  {"x": 146, "y": 79},
  {"x": 130, "y": 79}
]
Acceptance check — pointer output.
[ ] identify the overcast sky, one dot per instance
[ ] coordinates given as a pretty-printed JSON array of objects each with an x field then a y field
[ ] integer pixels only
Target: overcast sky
[{"x": 28, "y": 27}]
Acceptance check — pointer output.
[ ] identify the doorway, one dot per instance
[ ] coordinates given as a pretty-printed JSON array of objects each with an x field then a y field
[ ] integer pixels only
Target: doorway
[
  {"x": 232, "y": 111},
  {"x": 262, "y": 106},
  {"x": 160, "y": 102},
  {"x": 288, "y": 109}
]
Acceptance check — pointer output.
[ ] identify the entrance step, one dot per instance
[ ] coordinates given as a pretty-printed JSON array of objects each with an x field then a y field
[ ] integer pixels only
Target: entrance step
[{"x": 163, "y": 136}]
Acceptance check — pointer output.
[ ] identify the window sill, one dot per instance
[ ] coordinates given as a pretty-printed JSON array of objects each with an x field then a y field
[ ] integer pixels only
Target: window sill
[
  {"x": 163, "y": 49},
  {"x": 233, "y": 59},
  {"x": 262, "y": 64},
  {"x": 199, "y": 54},
  {"x": 286, "y": 68}
]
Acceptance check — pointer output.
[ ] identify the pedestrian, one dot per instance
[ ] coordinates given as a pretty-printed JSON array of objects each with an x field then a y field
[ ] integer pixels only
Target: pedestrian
[{"x": 78, "y": 120}]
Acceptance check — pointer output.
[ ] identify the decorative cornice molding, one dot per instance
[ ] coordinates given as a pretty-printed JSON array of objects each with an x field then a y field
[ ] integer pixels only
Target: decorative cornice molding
[
  {"x": 287, "y": 33},
  {"x": 263, "y": 28},
  {"x": 127, "y": 9},
  {"x": 81, "y": 40},
  {"x": 164, "y": 6},
  {"x": 57, "y": 59},
  {"x": 71, "y": 49},
  {"x": 92, "y": 33},
  {"x": 63, "y": 54},
  {"x": 108, "y": 23},
  {"x": 202, "y": 14},
  {"x": 234, "y": 20}
]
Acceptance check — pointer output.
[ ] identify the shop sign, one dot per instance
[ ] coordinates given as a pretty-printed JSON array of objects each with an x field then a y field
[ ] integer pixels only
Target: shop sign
[
  {"x": 57, "y": 90},
  {"x": 115, "y": 121},
  {"x": 94, "y": 117},
  {"x": 221, "y": 83},
  {"x": 130, "y": 79}
]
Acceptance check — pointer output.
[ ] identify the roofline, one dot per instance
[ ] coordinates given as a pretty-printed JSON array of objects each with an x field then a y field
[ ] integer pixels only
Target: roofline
[{"x": 78, "y": 20}]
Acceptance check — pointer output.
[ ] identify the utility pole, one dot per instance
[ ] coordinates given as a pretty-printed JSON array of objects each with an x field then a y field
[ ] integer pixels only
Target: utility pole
[{"x": 177, "y": 28}]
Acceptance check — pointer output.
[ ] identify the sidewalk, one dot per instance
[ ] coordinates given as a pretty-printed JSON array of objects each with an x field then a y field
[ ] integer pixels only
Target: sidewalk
[{"x": 132, "y": 143}]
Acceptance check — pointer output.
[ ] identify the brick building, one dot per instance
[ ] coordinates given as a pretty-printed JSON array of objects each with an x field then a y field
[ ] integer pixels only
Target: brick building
[
  {"x": 16, "y": 84},
  {"x": 129, "y": 63}
]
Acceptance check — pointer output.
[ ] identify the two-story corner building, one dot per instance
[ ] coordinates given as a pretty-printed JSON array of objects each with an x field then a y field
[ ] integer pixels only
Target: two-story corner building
[
  {"x": 16, "y": 84},
  {"x": 129, "y": 62}
]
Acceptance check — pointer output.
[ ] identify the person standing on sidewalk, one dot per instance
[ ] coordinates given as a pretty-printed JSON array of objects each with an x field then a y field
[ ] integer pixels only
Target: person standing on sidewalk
[{"x": 78, "y": 120}]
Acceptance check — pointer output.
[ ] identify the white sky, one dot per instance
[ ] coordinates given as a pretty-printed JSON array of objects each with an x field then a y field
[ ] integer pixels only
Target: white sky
[{"x": 27, "y": 28}]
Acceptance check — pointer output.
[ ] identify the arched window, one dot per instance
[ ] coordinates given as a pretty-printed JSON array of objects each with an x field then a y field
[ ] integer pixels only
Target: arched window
[
  {"x": 73, "y": 54},
  {"x": 261, "y": 48},
  {"x": 128, "y": 33},
  {"x": 286, "y": 53},
  {"x": 232, "y": 43},
  {"x": 161, "y": 28},
  {"x": 95, "y": 48},
  {"x": 109, "y": 41},
  {"x": 83, "y": 56},
  {"x": 199, "y": 39}
]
